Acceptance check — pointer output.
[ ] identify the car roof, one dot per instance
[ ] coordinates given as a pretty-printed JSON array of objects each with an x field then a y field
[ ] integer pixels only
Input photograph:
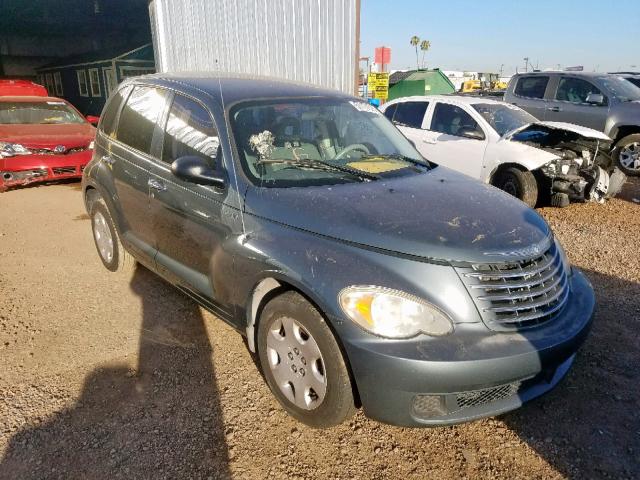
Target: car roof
[
  {"x": 461, "y": 99},
  {"x": 232, "y": 88},
  {"x": 563, "y": 72},
  {"x": 29, "y": 98}
]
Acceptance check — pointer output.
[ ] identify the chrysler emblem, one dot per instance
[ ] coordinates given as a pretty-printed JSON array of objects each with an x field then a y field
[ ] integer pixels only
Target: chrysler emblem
[{"x": 60, "y": 149}]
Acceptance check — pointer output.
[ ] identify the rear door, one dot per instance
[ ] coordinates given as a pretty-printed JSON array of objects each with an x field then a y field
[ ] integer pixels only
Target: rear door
[
  {"x": 570, "y": 104},
  {"x": 188, "y": 219},
  {"x": 129, "y": 158},
  {"x": 409, "y": 117},
  {"x": 529, "y": 94},
  {"x": 445, "y": 145}
]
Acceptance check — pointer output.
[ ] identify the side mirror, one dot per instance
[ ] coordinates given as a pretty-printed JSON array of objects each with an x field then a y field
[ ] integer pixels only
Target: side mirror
[
  {"x": 196, "y": 170},
  {"x": 93, "y": 119},
  {"x": 595, "y": 98},
  {"x": 472, "y": 134}
]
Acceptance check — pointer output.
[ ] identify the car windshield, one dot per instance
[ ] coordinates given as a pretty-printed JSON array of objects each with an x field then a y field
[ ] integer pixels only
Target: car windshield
[
  {"x": 37, "y": 113},
  {"x": 320, "y": 141},
  {"x": 625, "y": 91},
  {"x": 504, "y": 118}
]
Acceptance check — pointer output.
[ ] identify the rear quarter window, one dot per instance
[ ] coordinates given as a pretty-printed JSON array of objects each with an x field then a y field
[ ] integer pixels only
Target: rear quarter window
[
  {"x": 531, "y": 87},
  {"x": 108, "y": 121},
  {"x": 139, "y": 117}
]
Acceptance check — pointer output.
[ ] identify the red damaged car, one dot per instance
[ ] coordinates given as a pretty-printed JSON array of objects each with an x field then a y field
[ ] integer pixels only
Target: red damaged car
[{"x": 42, "y": 139}]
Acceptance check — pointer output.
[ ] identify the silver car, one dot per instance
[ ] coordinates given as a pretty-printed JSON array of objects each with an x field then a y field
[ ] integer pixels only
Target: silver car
[{"x": 596, "y": 100}]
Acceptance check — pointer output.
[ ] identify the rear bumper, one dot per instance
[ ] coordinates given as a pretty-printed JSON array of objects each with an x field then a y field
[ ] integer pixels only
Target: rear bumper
[
  {"x": 476, "y": 375},
  {"x": 19, "y": 171}
]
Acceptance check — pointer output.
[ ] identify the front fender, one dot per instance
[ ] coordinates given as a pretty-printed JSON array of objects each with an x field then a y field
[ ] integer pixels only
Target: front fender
[{"x": 513, "y": 152}]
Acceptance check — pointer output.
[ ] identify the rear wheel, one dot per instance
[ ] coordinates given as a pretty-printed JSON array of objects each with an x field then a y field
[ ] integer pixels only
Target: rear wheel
[
  {"x": 521, "y": 184},
  {"x": 627, "y": 154},
  {"x": 302, "y": 362},
  {"x": 110, "y": 250}
]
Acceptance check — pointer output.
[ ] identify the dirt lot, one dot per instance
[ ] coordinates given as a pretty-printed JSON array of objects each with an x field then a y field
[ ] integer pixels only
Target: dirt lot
[{"x": 120, "y": 376}]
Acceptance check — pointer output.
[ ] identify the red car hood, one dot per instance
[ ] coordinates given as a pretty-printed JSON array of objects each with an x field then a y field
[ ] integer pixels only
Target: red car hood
[{"x": 70, "y": 135}]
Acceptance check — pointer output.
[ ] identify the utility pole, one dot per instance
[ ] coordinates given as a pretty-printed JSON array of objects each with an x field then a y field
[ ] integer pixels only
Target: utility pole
[{"x": 526, "y": 64}]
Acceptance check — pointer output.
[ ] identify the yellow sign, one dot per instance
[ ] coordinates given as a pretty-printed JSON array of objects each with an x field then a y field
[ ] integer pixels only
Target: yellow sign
[{"x": 379, "y": 85}]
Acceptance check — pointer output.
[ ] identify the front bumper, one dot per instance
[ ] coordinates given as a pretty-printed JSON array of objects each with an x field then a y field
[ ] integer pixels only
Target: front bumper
[
  {"x": 472, "y": 373},
  {"x": 23, "y": 170}
]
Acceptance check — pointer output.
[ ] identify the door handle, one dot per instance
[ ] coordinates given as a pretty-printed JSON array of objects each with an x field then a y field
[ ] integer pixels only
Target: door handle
[
  {"x": 429, "y": 140},
  {"x": 554, "y": 109},
  {"x": 156, "y": 185},
  {"x": 108, "y": 159}
]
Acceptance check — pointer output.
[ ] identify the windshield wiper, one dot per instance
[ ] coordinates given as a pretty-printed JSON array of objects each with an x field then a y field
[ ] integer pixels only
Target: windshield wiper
[{"x": 320, "y": 165}]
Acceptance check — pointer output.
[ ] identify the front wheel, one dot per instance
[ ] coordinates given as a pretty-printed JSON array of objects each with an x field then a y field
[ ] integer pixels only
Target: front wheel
[
  {"x": 302, "y": 362},
  {"x": 627, "y": 154},
  {"x": 521, "y": 184}
]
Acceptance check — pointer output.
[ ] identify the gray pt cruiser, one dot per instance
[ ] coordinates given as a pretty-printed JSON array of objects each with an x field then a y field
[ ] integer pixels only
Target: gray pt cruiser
[{"x": 361, "y": 274}]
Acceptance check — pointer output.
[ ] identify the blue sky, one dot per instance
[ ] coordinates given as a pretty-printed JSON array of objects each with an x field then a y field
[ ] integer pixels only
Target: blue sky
[{"x": 483, "y": 35}]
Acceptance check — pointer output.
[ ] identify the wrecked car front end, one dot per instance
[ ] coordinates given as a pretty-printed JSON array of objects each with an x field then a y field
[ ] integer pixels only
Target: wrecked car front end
[{"x": 582, "y": 170}]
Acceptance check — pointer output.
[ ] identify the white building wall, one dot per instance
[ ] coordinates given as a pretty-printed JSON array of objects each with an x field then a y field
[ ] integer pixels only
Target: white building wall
[{"x": 305, "y": 40}]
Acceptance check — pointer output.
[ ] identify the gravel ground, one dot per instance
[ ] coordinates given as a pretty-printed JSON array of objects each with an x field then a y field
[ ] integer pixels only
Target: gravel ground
[{"x": 120, "y": 376}]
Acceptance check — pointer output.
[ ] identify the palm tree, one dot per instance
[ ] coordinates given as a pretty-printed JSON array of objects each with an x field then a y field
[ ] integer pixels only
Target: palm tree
[
  {"x": 424, "y": 46},
  {"x": 415, "y": 40}
]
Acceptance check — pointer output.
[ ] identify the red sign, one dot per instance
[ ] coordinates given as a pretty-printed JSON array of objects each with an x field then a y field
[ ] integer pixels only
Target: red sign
[{"x": 383, "y": 55}]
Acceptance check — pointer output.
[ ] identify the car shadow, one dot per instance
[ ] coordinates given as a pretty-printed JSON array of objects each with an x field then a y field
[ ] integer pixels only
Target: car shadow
[
  {"x": 161, "y": 419},
  {"x": 631, "y": 191},
  {"x": 589, "y": 426}
]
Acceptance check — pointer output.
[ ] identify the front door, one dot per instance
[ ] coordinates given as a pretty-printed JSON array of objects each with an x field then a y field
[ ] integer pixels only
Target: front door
[
  {"x": 190, "y": 221},
  {"x": 445, "y": 144},
  {"x": 570, "y": 104}
]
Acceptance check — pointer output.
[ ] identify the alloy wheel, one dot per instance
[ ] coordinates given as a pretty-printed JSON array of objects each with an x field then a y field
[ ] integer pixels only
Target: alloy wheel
[{"x": 629, "y": 156}]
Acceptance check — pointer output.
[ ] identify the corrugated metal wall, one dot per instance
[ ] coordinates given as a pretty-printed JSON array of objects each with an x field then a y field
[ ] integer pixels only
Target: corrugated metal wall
[{"x": 306, "y": 40}]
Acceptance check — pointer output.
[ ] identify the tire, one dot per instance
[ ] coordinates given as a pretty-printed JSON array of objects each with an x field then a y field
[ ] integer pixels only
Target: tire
[
  {"x": 521, "y": 184},
  {"x": 296, "y": 348},
  {"x": 627, "y": 154},
  {"x": 105, "y": 236}
]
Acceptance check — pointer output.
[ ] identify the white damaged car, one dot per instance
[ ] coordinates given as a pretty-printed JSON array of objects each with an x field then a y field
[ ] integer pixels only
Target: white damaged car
[{"x": 501, "y": 144}]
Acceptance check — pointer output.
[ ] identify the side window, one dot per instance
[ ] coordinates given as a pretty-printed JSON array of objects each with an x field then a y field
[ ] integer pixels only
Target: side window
[
  {"x": 190, "y": 131},
  {"x": 139, "y": 117},
  {"x": 390, "y": 111},
  {"x": 410, "y": 114},
  {"x": 108, "y": 118},
  {"x": 452, "y": 120},
  {"x": 531, "y": 87},
  {"x": 575, "y": 90}
]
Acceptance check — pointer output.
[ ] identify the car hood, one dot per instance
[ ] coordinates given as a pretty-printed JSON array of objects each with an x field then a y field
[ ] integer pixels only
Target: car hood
[
  {"x": 577, "y": 129},
  {"x": 70, "y": 135},
  {"x": 440, "y": 215}
]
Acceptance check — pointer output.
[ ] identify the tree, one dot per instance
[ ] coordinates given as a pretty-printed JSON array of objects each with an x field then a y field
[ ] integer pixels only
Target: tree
[
  {"x": 424, "y": 46},
  {"x": 415, "y": 40}
]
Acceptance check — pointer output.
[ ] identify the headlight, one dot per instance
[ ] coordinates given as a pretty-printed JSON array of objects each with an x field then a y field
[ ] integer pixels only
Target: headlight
[
  {"x": 12, "y": 149},
  {"x": 391, "y": 313},
  {"x": 563, "y": 256},
  {"x": 92, "y": 144}
]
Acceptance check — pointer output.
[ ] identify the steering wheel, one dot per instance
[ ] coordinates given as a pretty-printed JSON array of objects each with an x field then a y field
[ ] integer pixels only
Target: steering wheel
[{"x": 351, "y": 148}]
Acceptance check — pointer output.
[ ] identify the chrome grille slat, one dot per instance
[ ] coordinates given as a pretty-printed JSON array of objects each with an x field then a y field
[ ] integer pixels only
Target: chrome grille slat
[
  {"x": 515, "y": 306},
  {"x": 530, "y": 293},
  {"x": 522, "y": 284},
  {"x": 520, "y": 294},
  {"x": 538, "y": 314},
  {"x": 520, "y": 272}
]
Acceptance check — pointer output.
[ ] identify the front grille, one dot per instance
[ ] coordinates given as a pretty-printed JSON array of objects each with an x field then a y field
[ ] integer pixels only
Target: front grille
[
  {"x": 64, "y": 170},
  {"x": 522, "y": 294},
  {"x": 474, "y": 398},
  {"x": 51, "y": 151}
]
